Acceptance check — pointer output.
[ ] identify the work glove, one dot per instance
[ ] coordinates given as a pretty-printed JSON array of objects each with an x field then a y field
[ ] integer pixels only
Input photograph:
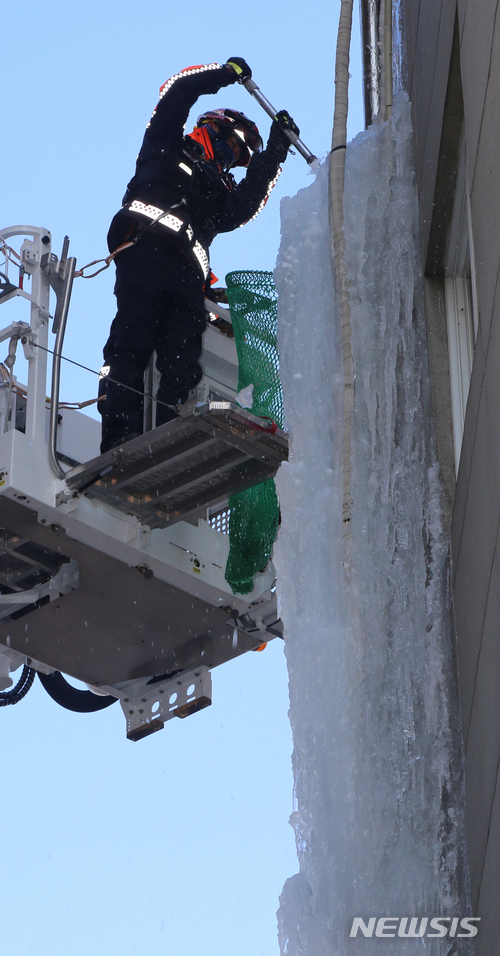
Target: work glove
[
  {"x": 278, "y": 143},
  {"x": 240, "y": 67}
]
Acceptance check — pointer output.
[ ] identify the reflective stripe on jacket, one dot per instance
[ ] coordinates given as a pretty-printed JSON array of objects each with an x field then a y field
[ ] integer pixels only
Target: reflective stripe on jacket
[{"x": 174, "y": 225}]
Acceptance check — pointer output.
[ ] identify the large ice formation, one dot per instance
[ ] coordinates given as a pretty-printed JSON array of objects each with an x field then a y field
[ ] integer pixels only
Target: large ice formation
[{"x": 379, "y": 806}]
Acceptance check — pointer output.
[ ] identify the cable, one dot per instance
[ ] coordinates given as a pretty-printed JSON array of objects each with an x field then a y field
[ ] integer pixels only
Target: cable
[
  {"x": 22, "y": 687},
  {"x": 78, "y": 701},
  {"x": 23, "y": 392},
  {"x": 109, "y": 379},
  {"x": 4, "y": 246}
]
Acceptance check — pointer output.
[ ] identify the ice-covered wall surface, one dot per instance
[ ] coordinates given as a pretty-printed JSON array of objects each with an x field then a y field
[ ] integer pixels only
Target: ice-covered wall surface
[{"x": 379, "y": 814}]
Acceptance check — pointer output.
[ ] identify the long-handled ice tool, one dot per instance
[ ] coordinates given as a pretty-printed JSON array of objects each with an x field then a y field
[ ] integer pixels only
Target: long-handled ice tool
[{"x": 270, "y": 110}]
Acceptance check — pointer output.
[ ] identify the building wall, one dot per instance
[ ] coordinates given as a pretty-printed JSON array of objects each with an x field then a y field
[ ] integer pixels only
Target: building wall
[{"x": 454, "y": 79}]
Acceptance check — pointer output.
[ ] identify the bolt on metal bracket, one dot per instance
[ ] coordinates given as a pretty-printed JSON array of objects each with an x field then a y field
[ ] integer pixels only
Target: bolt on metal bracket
[{"x": 179, "y": 696}]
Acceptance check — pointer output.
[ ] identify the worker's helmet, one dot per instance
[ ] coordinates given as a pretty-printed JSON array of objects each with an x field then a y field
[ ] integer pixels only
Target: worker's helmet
[{"x": 234, "y": 122}]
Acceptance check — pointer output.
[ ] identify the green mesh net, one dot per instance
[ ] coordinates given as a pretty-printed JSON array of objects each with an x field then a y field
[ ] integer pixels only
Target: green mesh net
[{"x": 253, "y": 520}]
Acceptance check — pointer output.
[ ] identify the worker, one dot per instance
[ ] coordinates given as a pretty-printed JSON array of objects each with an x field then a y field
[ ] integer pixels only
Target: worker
[{"x": 181, "y": 196}]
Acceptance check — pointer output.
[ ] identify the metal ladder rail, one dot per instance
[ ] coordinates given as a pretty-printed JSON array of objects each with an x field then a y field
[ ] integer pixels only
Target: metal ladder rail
[{"x": 60, "y": 275}]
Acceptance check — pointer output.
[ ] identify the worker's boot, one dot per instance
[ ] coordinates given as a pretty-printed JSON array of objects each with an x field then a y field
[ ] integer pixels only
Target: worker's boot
[{"x": 120, "y": 441}]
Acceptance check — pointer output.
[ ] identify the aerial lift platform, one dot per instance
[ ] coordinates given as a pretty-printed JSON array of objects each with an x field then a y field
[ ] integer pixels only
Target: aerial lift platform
[{"x": 112, "y": 566}]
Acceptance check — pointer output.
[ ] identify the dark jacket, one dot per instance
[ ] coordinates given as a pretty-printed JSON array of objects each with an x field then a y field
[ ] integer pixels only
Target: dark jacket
[{"x": 215, "y": 202}]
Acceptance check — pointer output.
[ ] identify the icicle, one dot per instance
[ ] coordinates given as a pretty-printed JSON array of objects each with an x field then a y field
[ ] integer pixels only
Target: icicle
[{"x": 379, "y": 815}]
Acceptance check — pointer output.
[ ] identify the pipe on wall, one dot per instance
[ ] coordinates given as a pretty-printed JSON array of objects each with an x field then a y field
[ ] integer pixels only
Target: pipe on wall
[
  {"x": 370, "y": 21},
  {"x": 376, "y": 19},
  {"x": 336, "y": 190},
  {"x": 376, "y": 42}
]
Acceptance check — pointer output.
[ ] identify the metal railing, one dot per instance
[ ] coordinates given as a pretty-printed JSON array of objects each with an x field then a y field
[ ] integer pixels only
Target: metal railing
[{"x": 46, "y": 271}]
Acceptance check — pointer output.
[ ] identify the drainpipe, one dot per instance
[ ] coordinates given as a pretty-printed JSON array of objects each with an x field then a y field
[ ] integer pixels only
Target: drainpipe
[
  {"x": 336, "y": 190},
  {"x": 377, "y": 60},
  {"x": 376, "y": 33},
  {"x": 370, "y": 20},
  {"x": 388, "y": 58}
]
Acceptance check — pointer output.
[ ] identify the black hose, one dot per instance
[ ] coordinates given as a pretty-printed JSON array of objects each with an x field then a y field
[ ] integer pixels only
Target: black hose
[
  {"x": 79, "y": 701},
  {"x": 22, "y": 687}
]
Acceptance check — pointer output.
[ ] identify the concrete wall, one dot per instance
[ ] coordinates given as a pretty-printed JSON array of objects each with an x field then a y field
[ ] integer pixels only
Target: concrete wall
[{"x": 475, "y": 538}]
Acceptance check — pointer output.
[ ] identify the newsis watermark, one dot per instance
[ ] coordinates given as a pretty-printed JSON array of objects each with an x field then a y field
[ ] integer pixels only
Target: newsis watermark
[{"x": 415, "y": 927}]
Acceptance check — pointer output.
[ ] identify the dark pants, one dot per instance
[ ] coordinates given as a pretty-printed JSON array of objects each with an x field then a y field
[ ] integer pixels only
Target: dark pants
[{"x": 160, "y": 307}]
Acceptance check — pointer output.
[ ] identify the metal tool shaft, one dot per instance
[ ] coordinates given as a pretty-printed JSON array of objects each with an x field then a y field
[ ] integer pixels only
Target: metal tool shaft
[{"x": 270, "y": 110}]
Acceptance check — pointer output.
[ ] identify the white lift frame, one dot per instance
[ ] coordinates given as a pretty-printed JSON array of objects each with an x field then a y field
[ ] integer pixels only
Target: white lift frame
[{"x": 179, "y": 567}]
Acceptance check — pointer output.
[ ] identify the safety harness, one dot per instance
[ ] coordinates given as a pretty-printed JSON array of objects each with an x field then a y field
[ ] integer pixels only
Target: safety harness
[{"x": 174, "y": 224}]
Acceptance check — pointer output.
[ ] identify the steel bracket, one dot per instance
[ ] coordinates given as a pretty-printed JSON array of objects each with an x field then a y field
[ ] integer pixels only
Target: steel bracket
[{"x": 179, "y": 696}]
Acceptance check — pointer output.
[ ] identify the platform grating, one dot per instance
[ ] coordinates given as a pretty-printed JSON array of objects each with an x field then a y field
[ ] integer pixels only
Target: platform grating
[{"x": 179, "y": 470}]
